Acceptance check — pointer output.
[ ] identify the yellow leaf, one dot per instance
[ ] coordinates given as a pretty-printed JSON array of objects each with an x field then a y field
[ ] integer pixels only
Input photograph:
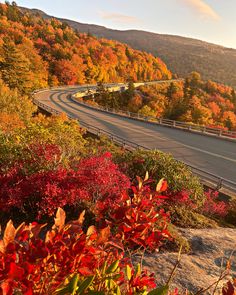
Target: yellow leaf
[
  {"x": 146, "y": 176},
  {"x": 81, "y": 217},
  {"x": 128, "y": 272},
  {"x": 60, "y": 219},
  {"x": 91, "y": 230},
  {"x": 138, "y": 270},
  {"x": 161, "y": 186},
  {"x": 9, "y": 234},
  {"x": 140, "y": 182}
]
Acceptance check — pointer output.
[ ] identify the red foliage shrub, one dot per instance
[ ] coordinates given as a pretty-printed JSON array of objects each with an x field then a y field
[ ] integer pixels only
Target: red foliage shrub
[
  {"x": 102, "y": 179},
  {"x": 94, "y": 179},
  {"x": 214, "y": 207},
  {"x": 211, "y": 206},
  {"x": 41, "y": 157},
  {"x": 32, "y": 265},
  {"x": 180, "y": 199},
  {"x": 138, "y": 220}
]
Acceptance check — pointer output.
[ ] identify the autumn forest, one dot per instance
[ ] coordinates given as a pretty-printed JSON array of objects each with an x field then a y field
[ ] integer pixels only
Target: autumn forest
[{"x": 79, "y": 213}]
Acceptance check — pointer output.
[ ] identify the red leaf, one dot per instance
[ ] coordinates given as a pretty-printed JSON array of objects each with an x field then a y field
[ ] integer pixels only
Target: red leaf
[
  {"x": 229, "y": 289},
  {"x": 15, "y": 272},
  {"x": 85, "y": 271}
]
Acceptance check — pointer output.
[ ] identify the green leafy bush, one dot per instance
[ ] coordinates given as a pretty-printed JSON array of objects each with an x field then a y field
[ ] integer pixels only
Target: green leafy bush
[{"x": 161, "y": 165}]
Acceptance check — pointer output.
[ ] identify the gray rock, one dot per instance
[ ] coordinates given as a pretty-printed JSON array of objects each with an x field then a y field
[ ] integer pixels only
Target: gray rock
[{"x": 211, "y": 249}]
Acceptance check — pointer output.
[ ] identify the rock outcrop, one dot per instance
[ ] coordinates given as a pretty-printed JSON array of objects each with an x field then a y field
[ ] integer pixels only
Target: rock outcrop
[{"x": 210, "y": 251}]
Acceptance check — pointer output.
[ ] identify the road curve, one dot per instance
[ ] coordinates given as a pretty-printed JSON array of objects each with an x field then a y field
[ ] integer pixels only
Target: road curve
[{"x": 210, "y": 154}]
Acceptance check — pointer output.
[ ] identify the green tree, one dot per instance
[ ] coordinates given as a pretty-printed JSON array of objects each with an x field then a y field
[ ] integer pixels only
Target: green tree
[
  {"x": 131, "y": 89},
  {"x": 233, "y": 97},
  {"x": 13, "y": 12},
  {"x": 15, "y": 68},
  {"x": 171, "y": 90},
  {"x": 228, "y": 123},
  {"x": 194, "y": 83},
  {"x": 147, "y": 111},
  {"x": 127, "y": 96},
  {"x": 103, "y": 95},
  {"x": 186, "y": 88},
  {"x": 11, "y": 102}
]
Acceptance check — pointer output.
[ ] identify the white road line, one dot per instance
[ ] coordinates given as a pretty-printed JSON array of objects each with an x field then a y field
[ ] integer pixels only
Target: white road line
[
  {"x": 164, "y": 138},
  {"x": 179, "y": 143},
  {"x": 185, "y": 145}
]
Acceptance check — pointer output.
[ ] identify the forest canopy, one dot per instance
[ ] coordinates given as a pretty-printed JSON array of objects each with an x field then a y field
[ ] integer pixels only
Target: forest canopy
[{"x": 35, "y": 53}]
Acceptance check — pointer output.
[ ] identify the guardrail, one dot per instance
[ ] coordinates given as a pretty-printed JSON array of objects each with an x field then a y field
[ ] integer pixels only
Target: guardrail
[
  {"x": 161, "y": 121},
  {"x": 210, "y": 179}
]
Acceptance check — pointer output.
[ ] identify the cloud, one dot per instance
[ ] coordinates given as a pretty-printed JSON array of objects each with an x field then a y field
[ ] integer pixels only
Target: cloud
[
  {"x": 202, "y": 8},
  {"x": 121, "y": 18}
]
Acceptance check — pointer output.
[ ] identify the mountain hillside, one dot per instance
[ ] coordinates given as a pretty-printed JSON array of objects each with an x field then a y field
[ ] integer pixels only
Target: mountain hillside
[
  {"x": 35, "y": 53},
  {"x": 192, "y": 100},
  {"x": 182, "y": 55}
]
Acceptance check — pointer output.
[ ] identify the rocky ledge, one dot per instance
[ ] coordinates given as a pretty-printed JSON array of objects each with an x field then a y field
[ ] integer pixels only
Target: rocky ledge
[{"x": 210, "y": 251}]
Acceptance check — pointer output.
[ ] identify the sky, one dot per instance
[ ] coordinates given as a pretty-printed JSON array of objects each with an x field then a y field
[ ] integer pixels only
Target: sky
[{"x": 209, "y": 20}]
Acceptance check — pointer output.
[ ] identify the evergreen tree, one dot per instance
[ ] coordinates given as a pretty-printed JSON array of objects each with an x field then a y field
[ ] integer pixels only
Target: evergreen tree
[
  {"x": 194, "y": 83},
  {"x": 228, "y": 123},
  {"x": 15, "y": 68},
  {"x": 186, "y": 88},
  {"x": 172, "y": 89},
  {"x": 13, "y": 12},
  {"x": 103, "y": 94},
  {"x": 233, "y": 97},
  {"x": 131, "y": 89}
]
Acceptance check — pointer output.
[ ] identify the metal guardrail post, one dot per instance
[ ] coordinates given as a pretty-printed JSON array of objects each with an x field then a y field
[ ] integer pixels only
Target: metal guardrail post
[
  {"x": 175, "y": 124},
  {"x": 219, "y": 184}
]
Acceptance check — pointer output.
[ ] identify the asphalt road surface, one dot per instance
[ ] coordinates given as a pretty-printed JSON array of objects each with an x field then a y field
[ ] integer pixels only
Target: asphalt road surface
[{"x": 208, "y": 153}]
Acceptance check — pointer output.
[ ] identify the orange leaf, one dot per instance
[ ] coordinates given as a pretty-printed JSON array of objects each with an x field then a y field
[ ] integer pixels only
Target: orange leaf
[
  {"x": 146, "y": 176},
  {"x": 104, "y": 235},
  {"x": 161, "y": 186},
  {"x": 91, "y": 234},
  {"x": 2, "y": 248},
  {"x": 6, "y": 287},
  {"x": 81, "y": 218},
  {"x": 91, "y": 230},
  {"x": 49, "y": 236},
  {"x": 60, "y": 219},
  {"x": 9, "y": 234},
  {"x": 140, "y": 182}
]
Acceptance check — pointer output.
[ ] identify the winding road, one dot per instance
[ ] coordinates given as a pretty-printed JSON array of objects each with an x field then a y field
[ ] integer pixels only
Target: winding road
[{"x": 207, "y": 153}]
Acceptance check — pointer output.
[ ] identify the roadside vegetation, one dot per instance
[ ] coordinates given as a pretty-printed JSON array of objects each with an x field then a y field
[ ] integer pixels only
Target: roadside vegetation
[
  {"x": 193, "y": 101},
  {"x": 75, "y": 209},
  {"x": 127, "y": 202}
]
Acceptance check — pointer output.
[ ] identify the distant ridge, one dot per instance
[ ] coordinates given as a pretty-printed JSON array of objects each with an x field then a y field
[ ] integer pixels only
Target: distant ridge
[{"x": 182, "y": 55}]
